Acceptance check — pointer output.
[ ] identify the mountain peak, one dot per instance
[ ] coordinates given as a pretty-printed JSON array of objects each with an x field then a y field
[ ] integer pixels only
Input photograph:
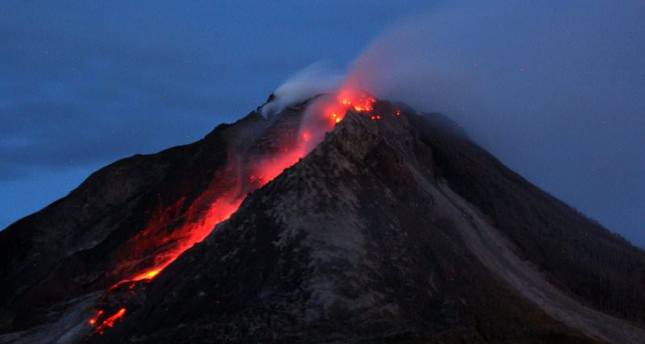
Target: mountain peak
[{"x": 390, "y": 227}]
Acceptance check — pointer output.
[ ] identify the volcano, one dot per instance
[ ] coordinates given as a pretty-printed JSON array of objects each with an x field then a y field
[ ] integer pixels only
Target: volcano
[{"x": 371, "y": 223}]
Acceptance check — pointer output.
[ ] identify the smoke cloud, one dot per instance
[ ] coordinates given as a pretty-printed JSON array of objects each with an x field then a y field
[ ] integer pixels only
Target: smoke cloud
[
  {"x": 317, "y": 78},
  {"x": 556, "y": 90}
]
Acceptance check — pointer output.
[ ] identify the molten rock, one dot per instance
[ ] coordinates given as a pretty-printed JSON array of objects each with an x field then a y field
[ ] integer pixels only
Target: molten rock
[{"x": 392, "y": 227}]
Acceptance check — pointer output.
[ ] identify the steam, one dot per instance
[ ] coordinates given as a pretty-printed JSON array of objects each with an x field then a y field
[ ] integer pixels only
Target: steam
[
  {"x": 316, "y": 79},
  {"x": 519, "y": 61},
  {"x": 556, "y": 90}
]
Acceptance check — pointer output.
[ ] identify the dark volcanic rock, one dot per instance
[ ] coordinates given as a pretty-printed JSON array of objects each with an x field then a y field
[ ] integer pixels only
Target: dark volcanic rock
[
  {"x": 392, "y": 231},
  {"x": 359, "y": 242},
  {"x": 94, "y": 237}
]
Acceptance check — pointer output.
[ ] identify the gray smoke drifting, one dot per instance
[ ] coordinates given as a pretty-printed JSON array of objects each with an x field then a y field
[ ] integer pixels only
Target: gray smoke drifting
[
  {"x": 317, "y": 78},
  {"x": 554, "y": 89}
]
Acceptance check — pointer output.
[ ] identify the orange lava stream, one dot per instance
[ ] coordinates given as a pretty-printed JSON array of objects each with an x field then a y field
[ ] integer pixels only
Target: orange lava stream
[
  {"x": 261, "y": 172},
  {"x": 347, "y": 99},
  {"x": 107, "y": 322}
]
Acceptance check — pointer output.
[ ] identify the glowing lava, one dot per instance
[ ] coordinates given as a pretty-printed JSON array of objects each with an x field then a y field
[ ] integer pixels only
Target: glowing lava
[
  {"x": 347, "y": 99},
  {"x": 199, "y": 226},
  {"x": 199, "y": 223},
  {"x": 148, "y": 275},
  {"x": 94, "y": 320},
  {"x": 108, "y": 322},
  {"x": 223, "y": 197}
]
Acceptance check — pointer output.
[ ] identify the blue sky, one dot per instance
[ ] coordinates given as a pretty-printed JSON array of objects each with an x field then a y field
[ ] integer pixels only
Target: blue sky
[{"x": 87, "y": 82}]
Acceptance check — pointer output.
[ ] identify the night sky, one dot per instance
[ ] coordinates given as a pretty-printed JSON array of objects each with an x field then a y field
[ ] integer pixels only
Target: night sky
[{"x": 83, "y": 83}]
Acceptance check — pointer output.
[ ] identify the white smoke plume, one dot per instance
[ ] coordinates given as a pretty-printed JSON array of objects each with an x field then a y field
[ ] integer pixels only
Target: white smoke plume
[
  {"x": 317, "y": 78},
  {"x": 555, "y": 89}
]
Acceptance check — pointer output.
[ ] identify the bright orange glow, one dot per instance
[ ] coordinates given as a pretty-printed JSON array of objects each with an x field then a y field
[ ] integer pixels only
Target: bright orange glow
[
  {"x": 345, "y": 100},
  {"x": 200, "y": 219},
  {"x": 358, "y": 101},
  {"x": 199, "y": 223},
  {"x": 93, "y": 320},
  {"x": 107, "y": 322},
  {"x": 147, "y": 275},
  {"x": 155, "y": 247},
  {"x": 268, "y": 169}
]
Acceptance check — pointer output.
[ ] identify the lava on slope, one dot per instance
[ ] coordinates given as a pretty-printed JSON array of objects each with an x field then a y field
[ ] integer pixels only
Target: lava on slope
[
  {"x": 192, "y": 223},
  {"x": 107, "y": 322}
]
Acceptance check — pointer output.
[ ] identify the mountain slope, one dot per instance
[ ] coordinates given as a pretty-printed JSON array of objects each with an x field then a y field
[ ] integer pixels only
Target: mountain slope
[
  {"x": 121, "y": 220},
  {"x": 363, "y": 241},
  {"x": 391, "y": 230},
  {"x": 575, "y": 253}
]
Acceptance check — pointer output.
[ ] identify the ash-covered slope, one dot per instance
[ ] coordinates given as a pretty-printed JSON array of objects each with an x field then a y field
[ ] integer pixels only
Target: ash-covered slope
[
  {"x": 56, "y": 264},
  {"x": 398, "y": 230}
]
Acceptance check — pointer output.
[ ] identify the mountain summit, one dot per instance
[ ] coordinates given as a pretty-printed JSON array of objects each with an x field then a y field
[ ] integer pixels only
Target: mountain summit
[{"x": 392, "y": 227}]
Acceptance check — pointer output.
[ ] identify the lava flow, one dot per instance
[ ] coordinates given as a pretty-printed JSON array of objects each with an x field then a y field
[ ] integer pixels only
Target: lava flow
[
  {"x": 348, "y": 99},
  {"x": 107, "y": 322},
  {"x": 218, "y": 203}
]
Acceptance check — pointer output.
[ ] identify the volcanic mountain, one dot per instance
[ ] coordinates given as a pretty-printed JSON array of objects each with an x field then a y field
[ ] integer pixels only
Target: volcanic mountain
[{"x": 389, "y": 226}]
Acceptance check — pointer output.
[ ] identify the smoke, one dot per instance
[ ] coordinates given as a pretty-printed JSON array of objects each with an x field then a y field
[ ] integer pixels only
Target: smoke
[
  {"x": 472, "y": 56},
  {"x": 317, "y": 78},
  {"x": 555, "y": 89}
]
